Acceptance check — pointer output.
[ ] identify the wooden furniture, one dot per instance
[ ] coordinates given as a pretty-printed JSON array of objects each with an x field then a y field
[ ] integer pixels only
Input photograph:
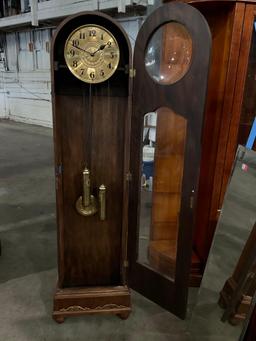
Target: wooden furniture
[
  {"x": 171, "y": 60},
  {"x": 98, "y": 158},
  {"x": 238, "y": 291},
  {"x": 91, "y": 129},
  {"x": 229, "y": 113}
]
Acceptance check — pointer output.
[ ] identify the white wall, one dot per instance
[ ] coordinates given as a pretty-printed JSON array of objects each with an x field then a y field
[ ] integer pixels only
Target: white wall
[
  {"x": 25, "y": 83},
  {"x": 28, "y": 97}
]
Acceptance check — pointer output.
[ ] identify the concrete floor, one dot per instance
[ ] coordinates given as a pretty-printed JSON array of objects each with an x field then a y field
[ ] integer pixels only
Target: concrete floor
[{"x": 28, "y": 261}]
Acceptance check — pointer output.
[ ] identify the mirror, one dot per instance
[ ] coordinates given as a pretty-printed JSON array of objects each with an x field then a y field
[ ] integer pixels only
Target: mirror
[
  {"x": 168, "y": 53},
  {"x": 228, "y": 260},
  {"x": 163, "y": 149}
]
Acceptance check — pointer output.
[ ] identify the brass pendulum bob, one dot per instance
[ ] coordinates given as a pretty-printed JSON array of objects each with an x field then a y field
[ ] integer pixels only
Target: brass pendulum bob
[{"x": 86, "y": 204}]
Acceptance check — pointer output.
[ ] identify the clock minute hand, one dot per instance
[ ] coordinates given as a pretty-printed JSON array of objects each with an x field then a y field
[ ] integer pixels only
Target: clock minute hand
[{"x": 79, "y": 48}]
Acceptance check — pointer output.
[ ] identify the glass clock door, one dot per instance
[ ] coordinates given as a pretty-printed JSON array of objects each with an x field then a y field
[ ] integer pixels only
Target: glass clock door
[
  {"x": 171, "y": 61},
  {"x": 163, "y": 152}
]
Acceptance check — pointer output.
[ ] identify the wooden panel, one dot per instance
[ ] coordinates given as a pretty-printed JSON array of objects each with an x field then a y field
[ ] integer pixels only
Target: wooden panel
[
  {"x": 170, "y": 132},
  {"x": 167, "y": 189},
  {"x": 226, "y": 27},
  {"x": 165, "y": 206},
  {"x": 164, "y": 231},
  {"x": 168, "y": 170},
  {"x": 163, "y": 254},
  {"x": 100, "y": 300},
  {"x": 227, "y": 108},
  {"x": 168, "y": 173},
  {"x": 92, "y": 247},
  {"x": 248, "y": 28}
]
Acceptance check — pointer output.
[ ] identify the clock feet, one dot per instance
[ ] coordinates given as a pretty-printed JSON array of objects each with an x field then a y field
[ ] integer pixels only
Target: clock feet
[
  {"x": 124, "y": 316},
  {"x": 59, "y": 319}
]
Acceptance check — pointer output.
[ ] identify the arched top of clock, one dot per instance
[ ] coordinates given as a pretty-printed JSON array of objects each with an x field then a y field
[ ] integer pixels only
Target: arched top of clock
[
  {"x": 86, "y": 18},
  {"x": 169, "y": 95}
]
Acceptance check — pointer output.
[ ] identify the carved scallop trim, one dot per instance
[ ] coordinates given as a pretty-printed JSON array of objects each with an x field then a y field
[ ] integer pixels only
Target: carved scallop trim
[{"x": 103, "y": 307}]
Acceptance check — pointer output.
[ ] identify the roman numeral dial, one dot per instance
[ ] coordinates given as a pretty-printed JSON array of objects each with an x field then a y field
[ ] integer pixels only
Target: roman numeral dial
[{"x": 92, "y": 53}]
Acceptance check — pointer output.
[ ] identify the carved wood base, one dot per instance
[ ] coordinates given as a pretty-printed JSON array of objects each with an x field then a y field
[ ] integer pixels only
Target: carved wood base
[{"x": 100, "y": 300}]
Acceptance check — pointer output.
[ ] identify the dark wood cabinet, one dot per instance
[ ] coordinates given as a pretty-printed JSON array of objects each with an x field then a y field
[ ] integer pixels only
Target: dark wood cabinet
[
  {"x": 229, "y": 114},
  {"x": 100, "y": 131},
  {"x": 91, "y": 129}
]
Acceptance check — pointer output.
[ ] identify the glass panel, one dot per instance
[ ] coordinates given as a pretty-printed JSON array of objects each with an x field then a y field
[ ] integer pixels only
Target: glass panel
[
  {"x": 163, "y": 149},
  {"x": 225, "y": 288},
  {"x": 249, "y": 104},
  {"x": 168, "y": 53}
]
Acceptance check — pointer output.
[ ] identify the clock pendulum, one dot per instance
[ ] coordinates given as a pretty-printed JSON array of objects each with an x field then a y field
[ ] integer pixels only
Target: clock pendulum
[
  {"x": 92, "y": 55},
  {"x": 86, "y": 204}
]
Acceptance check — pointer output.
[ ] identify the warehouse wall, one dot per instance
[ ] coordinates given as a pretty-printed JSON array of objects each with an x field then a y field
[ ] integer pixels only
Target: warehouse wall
[
  {"x": 25, "y": 74},
  {"x": 25, "y": 83}
]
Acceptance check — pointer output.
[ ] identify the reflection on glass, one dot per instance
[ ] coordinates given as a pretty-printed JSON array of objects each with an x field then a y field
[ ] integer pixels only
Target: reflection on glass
[
  {"x": 226, "y": 263},
  {"x": 168, "y": 53},
  {"x": 163, "y": 148}
]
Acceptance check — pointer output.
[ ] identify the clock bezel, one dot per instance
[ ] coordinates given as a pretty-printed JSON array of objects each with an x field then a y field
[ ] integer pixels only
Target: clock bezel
[{"x": 87, "y": 81}]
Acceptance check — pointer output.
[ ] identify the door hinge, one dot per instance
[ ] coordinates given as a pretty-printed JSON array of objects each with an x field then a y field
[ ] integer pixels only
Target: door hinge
[
  {"x": 129, "y": 177},
  {"x": 126, "y": 263},
  {"x": 132, "y": 73},
  {"x": 58, "y": 170},
  {"x": 56, "y": 66}
]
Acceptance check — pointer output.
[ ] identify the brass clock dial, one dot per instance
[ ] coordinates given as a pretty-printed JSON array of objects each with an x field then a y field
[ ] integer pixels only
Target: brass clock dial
[{"x": 92, "y": 53}]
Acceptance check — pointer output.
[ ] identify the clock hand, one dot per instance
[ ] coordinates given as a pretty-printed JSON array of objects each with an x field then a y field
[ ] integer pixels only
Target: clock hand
[
  {"x": 79, "y": 48},
  {"x": 100, "y": 48}
]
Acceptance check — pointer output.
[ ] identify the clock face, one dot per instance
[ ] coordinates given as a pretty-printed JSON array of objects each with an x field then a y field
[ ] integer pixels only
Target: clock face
[{"x": 92, "y": 53}]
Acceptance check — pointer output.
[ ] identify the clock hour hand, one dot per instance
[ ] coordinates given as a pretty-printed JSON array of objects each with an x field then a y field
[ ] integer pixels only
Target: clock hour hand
[{"x": 100, "y": 48}]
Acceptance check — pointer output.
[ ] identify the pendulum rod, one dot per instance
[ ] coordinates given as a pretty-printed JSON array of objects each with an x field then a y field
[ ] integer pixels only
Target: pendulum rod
[{"x": 88, "y": 162}]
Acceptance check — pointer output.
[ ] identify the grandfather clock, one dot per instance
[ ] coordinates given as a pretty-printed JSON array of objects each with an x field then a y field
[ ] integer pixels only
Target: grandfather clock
[
  {"x": 100, "y": 143},
  {"x": 91, "y": 103}
]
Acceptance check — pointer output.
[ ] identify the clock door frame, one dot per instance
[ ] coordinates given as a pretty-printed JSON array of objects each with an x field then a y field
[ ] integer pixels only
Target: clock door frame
[
  {"x": 92, "y": 254},
  {"x": 185, "y": 97}
]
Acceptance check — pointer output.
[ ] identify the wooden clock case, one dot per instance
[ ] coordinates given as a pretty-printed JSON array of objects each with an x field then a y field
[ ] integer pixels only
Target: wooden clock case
[
  {"x": 99, "y": 128},
  {"x": 91, "y": 129}
]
